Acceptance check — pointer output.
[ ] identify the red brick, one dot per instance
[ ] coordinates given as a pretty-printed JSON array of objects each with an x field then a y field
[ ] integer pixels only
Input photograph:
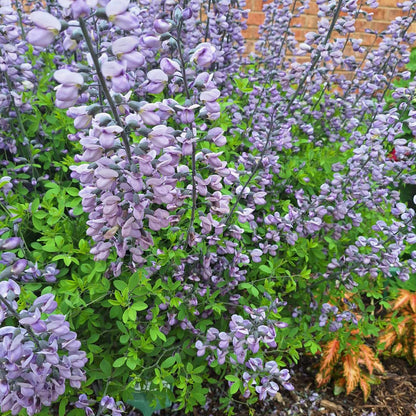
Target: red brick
[
  {"x": 300, "y": 33},
  {"x": 250, "y": 46},
  {"x": 313, "y": 8},
  {"x": 388, "y": 3},
  {"x": 306, "y": 21},
  {"x": 251, "y": 32},
  {"x": 412, "y": 28},
  {"x": 386, "y": 14},
  {"x": 362, "y": 24},
  {"x": 255, "y": 18},
  {"x": 255, "y": 5}
]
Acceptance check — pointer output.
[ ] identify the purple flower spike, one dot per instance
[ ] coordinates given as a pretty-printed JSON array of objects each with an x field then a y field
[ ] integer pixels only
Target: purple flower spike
[
  {"x": 157, "y": 81},
  {"x": 124, "y": 45},
  {"x": 46, "y": 303},
  {"x": 78, "y": 7},
  {"x": 125, "y": 49},
  {"x": 19, "y": 266},
  {"x": 9, "y": 286}
]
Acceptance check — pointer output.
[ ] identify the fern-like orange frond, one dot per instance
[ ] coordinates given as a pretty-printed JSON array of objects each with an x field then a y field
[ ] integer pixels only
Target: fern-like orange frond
[
  {"x": 323, "y": 377},
  {"x": 402, "y": 326},
  {"x": 365, "y": 386},
  {"x": 330, "y": 354},
  {"x": 378, "y": 366},
  {"x": 412, "y": 302},
  {"x": 397, "y": 349},
  {"x": 388, "y": 338},
  {"x": 351, "y": 371},
  {"x": 367, "y": 357},
  {"x": 402, "y": 300},
  {"x": 414, "y": 343}
]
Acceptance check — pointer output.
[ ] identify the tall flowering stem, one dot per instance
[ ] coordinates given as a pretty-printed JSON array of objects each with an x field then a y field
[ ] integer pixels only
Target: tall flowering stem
[
  {"x": 254, "y": 170},
  {"x": 104, "y": 87},
  {"x": 193, "y": 155}
]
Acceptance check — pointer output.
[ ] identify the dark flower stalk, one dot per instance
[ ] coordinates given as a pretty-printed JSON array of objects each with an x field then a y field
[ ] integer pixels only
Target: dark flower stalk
[{"x": 104, "y": 87}]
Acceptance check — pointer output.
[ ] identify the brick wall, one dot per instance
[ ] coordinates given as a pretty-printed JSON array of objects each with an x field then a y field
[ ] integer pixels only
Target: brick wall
[{"x": 382, "y": 16}]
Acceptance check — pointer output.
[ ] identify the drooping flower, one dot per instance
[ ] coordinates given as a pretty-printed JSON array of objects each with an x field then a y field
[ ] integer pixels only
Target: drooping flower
[
  {"x": 204, "y": 55},
  {"x": 117, "y": 13},
  {"x": 67, "y": 93},
  {"x": 46, "y": 29}
]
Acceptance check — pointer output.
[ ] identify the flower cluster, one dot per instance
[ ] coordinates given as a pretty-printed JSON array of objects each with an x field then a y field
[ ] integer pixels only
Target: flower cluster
[
  {"x": 270, "y": 378},
  {"x": 328, "y": 311},
  {"x": 38, "y": 354},
  {"x": 248, "y": 336},
  {"x": 107, "y": 404}
]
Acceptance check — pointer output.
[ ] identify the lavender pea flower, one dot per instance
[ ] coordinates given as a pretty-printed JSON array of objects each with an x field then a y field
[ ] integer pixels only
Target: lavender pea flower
[
  {"x": 10, "y": 243},
  {"x": 68, "y": 92},
  {"x": 117, "y": 13},
  {"x": 78, "y": 7},
  {"x": 205, "y": 55},
  {"x": 115, "y": 72},
  {"x": 169, "y": 66},
  {"x": 47, "y": 27},
  {"x": 161, "y": 26},
  {"x": 125, "y": 49},
  {"x": 157, "y": 81}
]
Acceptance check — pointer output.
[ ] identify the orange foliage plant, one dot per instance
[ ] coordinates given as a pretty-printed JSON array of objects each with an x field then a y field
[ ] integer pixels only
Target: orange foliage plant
[{"x": 399, "y": 338}]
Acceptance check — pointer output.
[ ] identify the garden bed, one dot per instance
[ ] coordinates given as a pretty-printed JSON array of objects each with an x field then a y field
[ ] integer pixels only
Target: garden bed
[{"x": 395, "y": 395}]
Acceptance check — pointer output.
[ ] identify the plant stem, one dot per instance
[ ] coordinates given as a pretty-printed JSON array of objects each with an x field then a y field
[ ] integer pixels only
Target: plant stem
[
  {"x": 188, "y": 96},
  {"x": 103, "y": 83}
]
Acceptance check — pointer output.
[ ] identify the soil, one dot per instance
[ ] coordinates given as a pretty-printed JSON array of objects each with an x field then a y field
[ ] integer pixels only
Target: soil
[{"x": 394, "y": 396}]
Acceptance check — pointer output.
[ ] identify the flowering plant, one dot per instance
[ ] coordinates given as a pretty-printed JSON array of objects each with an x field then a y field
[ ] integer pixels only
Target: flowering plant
[{"x": 195, "y": 215}]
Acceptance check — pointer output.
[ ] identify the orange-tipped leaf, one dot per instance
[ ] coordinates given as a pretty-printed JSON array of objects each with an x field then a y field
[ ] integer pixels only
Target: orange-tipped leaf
[
  {"x": 351, "y": 372},
  {"x": 402, "y": 299},
  {"x": 330, "y": 354}
]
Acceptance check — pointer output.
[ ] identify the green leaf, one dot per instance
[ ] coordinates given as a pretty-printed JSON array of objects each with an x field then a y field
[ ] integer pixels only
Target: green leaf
[
  {"x": 134, "y": 281},
  {"x": 233, "y": 379},
  {"x": 132, "y": 314},
  {"x": 139, "y": 306},
  {"x": 120, "y": 285},
  {"x": 148, "y": 401},
  {"x": 95, "y": 349},
  {"x": 236, "y": 383},
  {"x": 35, "y": 205},
  {"x": 62, "y": 406},
  {"x": 265, "y": 269},
  {"x": 106, "y": 367},
  {"x": 155, "y": 334},
  {"x": 131, "y": 363},
  {"x": 72, "y": 191},
  {"x": 119, "y": 362},
  {"x": 168, "y": 362}
]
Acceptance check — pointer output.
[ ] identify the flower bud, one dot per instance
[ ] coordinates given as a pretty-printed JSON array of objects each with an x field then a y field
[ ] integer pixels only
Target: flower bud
[
  {"x": 161, "y": 26},
  {"x": 10, "y": 243},
  {"x": 187, "y": 13}
]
